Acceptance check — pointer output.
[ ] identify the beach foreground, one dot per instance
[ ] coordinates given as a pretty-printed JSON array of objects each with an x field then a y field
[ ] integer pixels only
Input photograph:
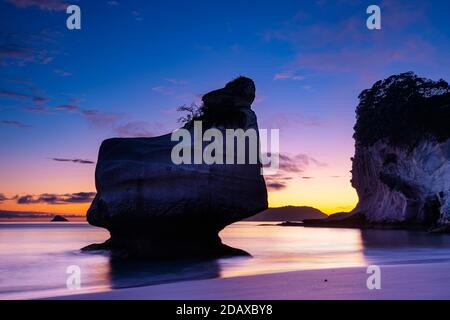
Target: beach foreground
[{"x": 404, "y": 282}]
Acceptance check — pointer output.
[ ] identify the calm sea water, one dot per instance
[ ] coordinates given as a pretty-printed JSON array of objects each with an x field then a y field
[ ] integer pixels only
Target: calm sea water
[{"x": 34, "y": 256}]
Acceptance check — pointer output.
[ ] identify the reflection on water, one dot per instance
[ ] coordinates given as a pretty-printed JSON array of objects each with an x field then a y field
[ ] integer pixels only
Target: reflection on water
[
  {"x": 401, "y": 246},
  {"x": 34, "y": 256},
  {"x": 123, "y": 274},
  {"x": 276, "y": 249}
]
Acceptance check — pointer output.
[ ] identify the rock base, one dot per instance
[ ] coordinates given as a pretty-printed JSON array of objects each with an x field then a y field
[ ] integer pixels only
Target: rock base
[
  {"x": 168, "y": 247},
  {"x": 358, "y": 221}
]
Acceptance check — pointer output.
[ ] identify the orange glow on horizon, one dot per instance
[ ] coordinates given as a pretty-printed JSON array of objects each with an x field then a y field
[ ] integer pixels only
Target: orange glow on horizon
[
  {"x": 333, "y": 198},
  {"x": 75, "y": 209},
  {"x": 319, "y": 188}
]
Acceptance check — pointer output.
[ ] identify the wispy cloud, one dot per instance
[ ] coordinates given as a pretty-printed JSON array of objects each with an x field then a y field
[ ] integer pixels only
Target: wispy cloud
[
  {"x": 344, "y": 45},
  {"x": 101, "y": 119},
  {"x": 138, "y": 129},
  {"x": 67, "y": 107},
  {"x": 46, "y": 5},
  {"x": 176, "y": 81},
  {"x": 81, "y": 161},
  {"x": 298, "y": 163},
  {"x": 163, "y": 90},
  {"x": 3, "y": 197},
  {"x": 173, "y": 87},
  {"x": 16, "y": 54},
  {"x": 291, "y": 167},
  {"x": 118, "y": 123},
  {"x": 23, "y": 48},
  {"x": 57, "y": 199},
  {"x": 274, "y": 185},
  {"x": 40, "y": 100},
  {"x": 288, "y": 76},
  {"x": 289, "y": 119},
  {"x": 16, "y": 124},
  {"x": 14, "y": 95},
  {"x": 22, "y": 96},
  {"x": 137, "y": 15},
  {"x": 38, "y": 109},
  {"x": 62, "y": 73}
]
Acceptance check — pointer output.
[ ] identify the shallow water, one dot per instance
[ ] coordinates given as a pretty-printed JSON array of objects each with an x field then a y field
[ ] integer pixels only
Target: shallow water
[{"x": 34, "y": 256}]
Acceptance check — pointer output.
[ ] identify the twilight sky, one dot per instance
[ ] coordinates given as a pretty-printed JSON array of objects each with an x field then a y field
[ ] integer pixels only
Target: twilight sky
[{"x": 134, "y": 62}]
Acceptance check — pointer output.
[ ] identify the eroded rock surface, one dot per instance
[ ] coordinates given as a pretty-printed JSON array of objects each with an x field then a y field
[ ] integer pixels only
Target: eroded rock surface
[
  {"x": 401, "y": 167},
  {"x": 155, "y": 208}
]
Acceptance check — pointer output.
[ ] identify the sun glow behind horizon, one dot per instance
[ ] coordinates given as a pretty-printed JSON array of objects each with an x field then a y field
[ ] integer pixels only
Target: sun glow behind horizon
[{"x": 330, "y": 195}]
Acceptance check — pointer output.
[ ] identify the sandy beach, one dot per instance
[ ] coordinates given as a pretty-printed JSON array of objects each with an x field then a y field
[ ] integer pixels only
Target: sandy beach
[{"x": 409, "y": 281}]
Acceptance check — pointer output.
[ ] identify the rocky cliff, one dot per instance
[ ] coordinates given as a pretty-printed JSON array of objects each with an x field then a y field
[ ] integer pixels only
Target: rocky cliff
[
  {"x": 155, "y": 208},
  {"x": 401, "y": 167}
]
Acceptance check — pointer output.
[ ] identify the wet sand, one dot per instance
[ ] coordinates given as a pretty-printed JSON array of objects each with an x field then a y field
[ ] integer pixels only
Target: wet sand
[{"x": 408, "y": 281}]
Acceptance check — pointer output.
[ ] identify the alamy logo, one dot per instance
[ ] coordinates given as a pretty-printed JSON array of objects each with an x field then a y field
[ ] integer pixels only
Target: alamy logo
[
  {"x": 374, "y": 280},
  {"x": 73, "y": 22},
  {"x": 374, "y": 20},
  {"x": 73, "y": 281},
  {"x": 241, "y": 147}
]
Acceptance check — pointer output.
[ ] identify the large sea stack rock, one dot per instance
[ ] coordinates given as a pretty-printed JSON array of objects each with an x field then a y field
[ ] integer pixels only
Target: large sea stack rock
[
  {"x": 157, "y": 209},
  {"x": 401, "y": 167}
]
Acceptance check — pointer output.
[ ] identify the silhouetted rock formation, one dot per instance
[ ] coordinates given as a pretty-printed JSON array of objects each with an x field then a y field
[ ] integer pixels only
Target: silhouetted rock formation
[
  {"x": 288, "y": 213},
  {"x": 59, "y": 219},
  {"x": 401, "y": 167},
  {"x": 154, "y": 208}
]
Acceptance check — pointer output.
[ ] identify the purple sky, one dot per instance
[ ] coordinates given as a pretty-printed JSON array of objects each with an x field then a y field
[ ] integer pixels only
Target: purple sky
[{"x": 134, "y": 62}]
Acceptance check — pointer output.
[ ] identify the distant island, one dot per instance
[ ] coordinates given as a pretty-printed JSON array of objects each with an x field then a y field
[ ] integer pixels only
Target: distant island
[
  {"x": 288, "y": 213},
  {"x": 59, "y": 219}
]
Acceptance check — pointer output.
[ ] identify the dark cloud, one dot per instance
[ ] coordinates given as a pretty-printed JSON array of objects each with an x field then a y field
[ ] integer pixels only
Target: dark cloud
[
  {"x": 114, "y": 122},
  {"x": 81, "y": 161},
  {"x": 23, "y": 48},
  {"x": 101, "y": 119},
  {"x": 275, "y": 185},
  {"x": 106, "y": 120},
  {"x": 40, "y": 100},
  {"x": 15, "y": 123},
  {"x": 291, "y": 166},
  {"x": 297, "y": 163},
  {"x": 12, "y": 94},
  {"x": 80, "y": 197},
  {"x": 277, "y": 181},
  {"x": 3, "y": 197},
  {"x": 48, "y": 198},
  {"x": 75, "y": 100},
  {"x": 14, "y": 54},
  {"x": 22, "y": 96}
]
